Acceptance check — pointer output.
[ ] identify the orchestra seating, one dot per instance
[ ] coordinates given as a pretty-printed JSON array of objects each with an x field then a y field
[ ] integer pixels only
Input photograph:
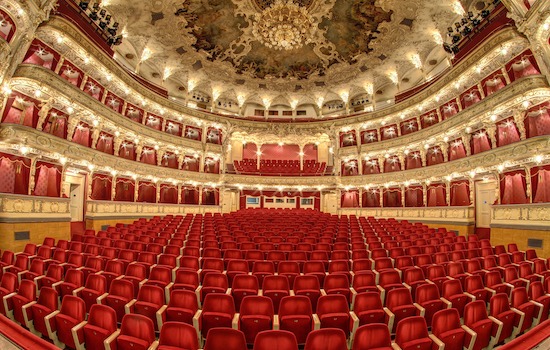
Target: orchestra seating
[
  {"x": 280, "y": 167},
  {"x": 311, "y": 278}
]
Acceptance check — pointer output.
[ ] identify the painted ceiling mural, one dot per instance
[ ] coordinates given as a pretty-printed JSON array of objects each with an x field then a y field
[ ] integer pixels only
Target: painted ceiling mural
[{"x": 343, "y": 41}]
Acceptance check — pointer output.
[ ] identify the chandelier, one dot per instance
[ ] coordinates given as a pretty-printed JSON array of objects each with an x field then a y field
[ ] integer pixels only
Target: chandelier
[{"x": 284, "y": 26}]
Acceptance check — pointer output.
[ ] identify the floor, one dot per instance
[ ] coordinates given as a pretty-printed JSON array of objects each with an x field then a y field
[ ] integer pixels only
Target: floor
[{"x": 6, "y": 344}]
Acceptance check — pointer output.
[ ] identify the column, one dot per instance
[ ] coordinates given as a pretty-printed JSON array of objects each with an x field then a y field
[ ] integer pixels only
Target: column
[
  {"x": 181, "y": 158},
  {"x": 258, "y": 156},
  {"x": 139, "y": 149},
  {"x": 113, "y": 187},
  {"x": 422, "y": 152},
  {"x": 481, "y": 91},
  {"x": 472, "y": 190},
  {"x": 301, "y": 157},
  {"x": 529, "y": 189},
  {"x": 179, "y": 193},
  {"x": 117, "y": 142},
  {"x": 136, "y": 189},
  {"x": 439, "y": 117},
  {"x": 359, "y": 165},
  {"x": 157, "y": 200},
  {"x": 200, "y": 194},
  {"x": 95, "y": 136},
  {"x": 84, "y": 82},
  {"x": 504, "y": 73},
  {"x": 32, "y": 180},
  {"x": 163, "y": 127},
  {"x": 402, "y": 196},
  {"x": 491, "y": 133},
  {"x": 419, "y": 123},
  {"x": 43, "y": 113},
  {"x": 381, "y": 192},
  {"x": 59, "y": 64},
  {"x": 401, "y": 161},
  {"x": 89, "y": 180},
  {"x": 73, "y": 122},
  {"x": 466, "y": 142},
  {"x": 381, "y": 161},
  {"x": 518, "y": 119},
  {"x": 201, "y": 163},
  {"x": 398, "y": 131},
  {"x": 445, "y": 151},
  {"x": 457, "y": 101},
  {"x": 160, "y": 154},
  {"x": 124, "y": 107},
  {"x": 447, "y": 193},
  {"x": 424, "y": 195}
]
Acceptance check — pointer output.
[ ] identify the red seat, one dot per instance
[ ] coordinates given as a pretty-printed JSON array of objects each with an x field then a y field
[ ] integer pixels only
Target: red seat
[
  {"x": 113, "y": 270},
  {"x": 413, "y": 278},
  {"x": 135, "y": 273},
  {"x": 428, "y": 297},
  {"x": 447, "y": 328},
  {"x": 121, "y": 293},
  {"x": 308, "y": 285},
  {"x": 261, "y": 269},
  {"x": 493, "y": 281},
  {"x": 368, "y": 309},
  {"x": 8, "y": 285},
  {"x": 14, "y": 302},
  {"x": 276, "y": 288},
  {"x": 136, "y": 333},
  {"x": 532, "y": 310},
  {"x": 315, "y": 268},
  {"x": 236, "y": 267},
  {"x": 275, "y": 339},
  {"x": 186, "y": 279},
  {"x": 256, "y": 315},
  {"x": 182, "y": 307},
  {"x": 36, "y": 269},
  {"x": 474, "y": 285},
  {"x": 160, "y": 276},
  {"x": 338, "y": 284},
  {"x": 399, "y": 302},
  {"x": 225, "y": 339},
  {"x": 59, "y": 323},
  {"x": 96, "y": 286},
  {"x": 326, "y": 339},
  {"x": 412, "y": 334},
  {"x": 537, "y": 293},
  {"x": 102, "y": 323},
  {"x": 218, "y": 310},
  {"x": 243, "y": 285},
  {"x": 177, "y": 335},
  {"x": 486, "y": 327},
  {"x": 374, "y": 336},
  {"x": 511, "y": 319},
  {"x": 213, "y": 282},
  {"x": 452, "y": 291},
  {"x": 387, "y": 281},
  {"x": 333, "y": 312},
  {"x": 149, "y": 300},
  {"x": 34, "y": 313},
  {"x": 296, "y": 316},
  {"x": 290, "y": 269}
]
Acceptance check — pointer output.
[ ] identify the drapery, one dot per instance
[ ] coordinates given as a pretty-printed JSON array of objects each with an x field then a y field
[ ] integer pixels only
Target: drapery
[
  {"x": 448, "y": 110},
  {"x": 169, "y": 160},
  {"x": 460, "y": 193},
  {"x": 522, "y": 65},
  {"x": 211, "y": 166},
  {"x": 480, "y": 142},
  {"x": 414, "y": 196},
  {"x": 388, "y": 132},
  {"x": 371, "y": 198},
  {"x": 105, "y": 143},
  {"x": 147, "y": 192},
  {"x": 48, "y": 180},
  {"x": 493, "y": 83},
  {"x": 348, "y": 138},
  {"x": 436, "y": 195},
  {"x": 101, "y": 187},
  {"x": 540, "y": 184},
  {"x": 71, "y": 73},
  {"x": 537, "y": 121},
  {"x": 369, "y": 136},
  {"x": 153, "y": 121},
  {"x": 21, "y": 109},
  {"x": 210, "y": 196},
  {"x": 413, "y": 161},
  {"x": 56, "y": 124},
  {"x": 193, "y": 133},
  {"x": 429, "y": 119},
  {"x": 190, "y": 195},
  {"x": 409, "y": 126},
  {"x": 434, "y": 156},
  {"x": 127, "y": 150},
  {"x": 168, "y": 194},
  {"x": 349, "y": 168},
  {"x": 94, "y": 89},
  {"x": 513, "y": 188},
  {"x": 370, "y": 167},
  {"x": 507, "y": 132},
  {"x": 114, "y": 102},
  {"x": 124, "y": 189},
  {"x": 42, "y": 55},
  {"x": 82, "y": 135},
  {"x": 350, "y": 199},
  {"x": 392, "y": 164},
  {"x": 456, "y": 150},
  {"x": 134, "y": 113},
  {"x": 470, "y": 97},
  {"x": 214, "y": 135},
  {"x": 14, "y": 174},
  {"x": 392, "y": 197},
  {"x": 148, "y": 156},
  {"x": 190, "y": 163},
  {"x": 174, "y": 128},
  {"x": 8, "y": 28}
]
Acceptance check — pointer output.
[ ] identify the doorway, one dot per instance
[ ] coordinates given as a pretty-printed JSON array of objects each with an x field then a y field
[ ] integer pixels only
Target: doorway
[{"x": 485, "y": 197}]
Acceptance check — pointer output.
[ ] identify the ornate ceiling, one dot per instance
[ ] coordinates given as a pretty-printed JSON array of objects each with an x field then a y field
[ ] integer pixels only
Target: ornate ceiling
[{"x": 212, "y": 46}]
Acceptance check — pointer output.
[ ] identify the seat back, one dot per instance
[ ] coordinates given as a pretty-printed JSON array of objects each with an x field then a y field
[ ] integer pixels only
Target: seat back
[
  {"x": 411, "y": 328},
  {"x": 73, "y": 307},
  {"x": 178, "y": 335},
  {"x": 135, "y": 327},
  {"x": 372, "y": 336},
  {"x": 326, "y": 339},
  {"x": 397, "y": 297},
  {"x": 9, "y": 282},
  {"x": 225, "y": 338},
  {"x": 444, "y": 321},
  {"x": 221, "y": 303},
  {"x": 275, "y": 339},
  {"x": 295, "y": 305},
  {"x": 151, "y": 294},
  {"x": 427, "y": 292},
  {"x": 257, "y": 305},
  {"x": 103, "y": 317},
  {"x": 122, "y": 288}
]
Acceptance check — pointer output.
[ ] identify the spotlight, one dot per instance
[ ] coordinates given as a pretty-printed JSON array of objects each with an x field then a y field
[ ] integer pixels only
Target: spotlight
[
  {"x": 93, "y": 15},
  {"x": 84, "y": 5},
  {"x": 102, "y": 12}
]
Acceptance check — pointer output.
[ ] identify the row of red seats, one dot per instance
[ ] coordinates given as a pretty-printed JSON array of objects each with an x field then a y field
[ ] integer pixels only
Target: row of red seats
[{"x": 287, "y": 167}]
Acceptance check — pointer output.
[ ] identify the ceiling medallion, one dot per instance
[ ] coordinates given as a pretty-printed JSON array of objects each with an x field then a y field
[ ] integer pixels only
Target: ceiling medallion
[{"x": 284, "y": 26}]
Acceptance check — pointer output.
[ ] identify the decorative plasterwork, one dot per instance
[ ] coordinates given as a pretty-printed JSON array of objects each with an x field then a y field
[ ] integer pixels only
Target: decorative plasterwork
[
  {"x": 14, "y": 206},
  {"x": 521, "y": 215},
  {"x": 97, "y": 210},
  {"x": 454, "y": 215}
]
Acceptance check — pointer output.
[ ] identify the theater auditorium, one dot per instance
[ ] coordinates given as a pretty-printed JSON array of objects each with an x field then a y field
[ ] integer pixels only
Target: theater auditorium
[{"x": 275, "y": 174}]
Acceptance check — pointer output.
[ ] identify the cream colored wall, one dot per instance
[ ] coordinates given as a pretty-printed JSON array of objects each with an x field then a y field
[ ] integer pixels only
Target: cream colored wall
[
  {"x": 236, "y": 151},
  {"x": 38, "y": 231}
]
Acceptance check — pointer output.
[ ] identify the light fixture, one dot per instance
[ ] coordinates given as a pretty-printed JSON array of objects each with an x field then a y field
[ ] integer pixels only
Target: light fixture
[{"x": 284, "y": 26}]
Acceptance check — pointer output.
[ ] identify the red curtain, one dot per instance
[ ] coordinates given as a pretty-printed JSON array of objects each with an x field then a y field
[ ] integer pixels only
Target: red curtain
[
  {"x": 210, "y": 196},
  {"x": 42, "y": 55},
  {"x": 56, "y": 124},
  {"x": 470, "y": 97},
  {"x": 169, "y": 160},
  {"x": 456, "y": 150},
  {"x": 436, "y": 195},
  {"x": 47, "y": 180},
  {"x": 392, "y": 197},
  {"x": 429, "y": 119},
  {"x": 21, "y": 109},
  {"x": 190, "y": 195},
  {"x": 101, "y": 187},
  {"x": 480, "y": 142},
  {"x": 448, "y": 110},
  {"x": 540, "y": 184},
  {"x": 414, "y": 196},
  {"x": 513, "y": 188},
  {"x": 350, "y": 168},
  {"x": 105, "y": 143},
  {"x": 537, "y": 121},
  {"x": 392, "y": 164},
  {"x": 82, "y": 134},
  {"x": 127, "y": 150},
  {"x": 134, "y": 113},
  {"x": 350, "y": 199},
  {"x": 214, "y": 135},
  {"x": 94, "y": 89},
  {"x": 14, "y": 174},
  {"x": 522, "y": 65},
  {"x": 193, "y": 133},
  {"x": 370, "y": 167},
  {"x": 507, "y": 132},
  {"x": 493, "y": 83},
  {"x": 174, "y": 128},
  {"x": 348, "y": 139},
  {"x": 153, "y": 121},
  {"x": 369, "y": 136},
  {"x": 7, "y": 29},
  {"x": 168, "y": 194},
  {"x": 124, "y": 189},
  {"x": 190, "y": 163},
  {"x": 71, "y": 73},
  {"x": 409, "y": 126},
  {"x": 434, "y": 156},
  {"x": 147, "y": 192},
  {"x": 211, "y": 166},
  {"x": 276, "y": 152},
  {"x": 148, "y": 156},
  {"x": 114, "y": 102},
  {"x": 371, "y": 198},
  {"x": 460, "y": 193},
  {"x": 249, "y": 151},
  {"x": 388, "y": 132},
  {"x": 413, "y": 161},
  {"x": 310, "y": 152}
]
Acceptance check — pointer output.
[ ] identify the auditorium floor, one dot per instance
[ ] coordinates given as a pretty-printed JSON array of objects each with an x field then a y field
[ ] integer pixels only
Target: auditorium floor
[{"x": 6, "y": 344}]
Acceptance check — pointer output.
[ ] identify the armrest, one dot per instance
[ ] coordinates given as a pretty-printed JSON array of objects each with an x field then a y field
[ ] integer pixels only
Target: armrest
[
  {"x": 198, "y": 294},
  {"x": 449, "y": 304},
  {"x": 5, "y": 268},
  {"x": 323, "y": 292},
  {"x": 395, "y": 346},
  {"x": 228, "y": 291},
  {"x": 539, "y": 315},
  {"x": 353, "y": 295},
  {"x": 160, "y": 314},
  {"x": 101, "y": 297},
  {"x": 26, "y": 316},
  {"x": 110, "y": 339},
  {"x": 235, "y": 321},
  {"x": 376, "y": 274},
  {"x": 473, "y": 337},
  {"x": 19, "y": 274},
  {"x": 196, "y": 324},
  {"x": 517, "y": 327},
  {"x": 142, "y": 282},
  {"x": 128, "y": 307},
  {"x": 76, "y": 337},
  {"x": 174, "y": 270},
  {"x": 154, "y": 345},
  {"x": 355, "y": 320},
  {"x": 54, "y": 286},
  {"x": 420, "y": 308},
  {"x": 492, "y": 291},
  {"x": 390, "y": 318},
  {"x": 511, "y": 286},
  {"x": 382, "y": 293},
  {"x": 470, "y": 296},
  {"x": 276, "y": 324},
  {"x": 439, "y": 344},
  {"x": 168, "y": 291},
  {"x": 51, "y": 334},
  {"x": 5, "y": 301},
  {"x": 76, "y": 291},
  {"x": 316, "y": 322},
  {"x": 497, "y": 331}
]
